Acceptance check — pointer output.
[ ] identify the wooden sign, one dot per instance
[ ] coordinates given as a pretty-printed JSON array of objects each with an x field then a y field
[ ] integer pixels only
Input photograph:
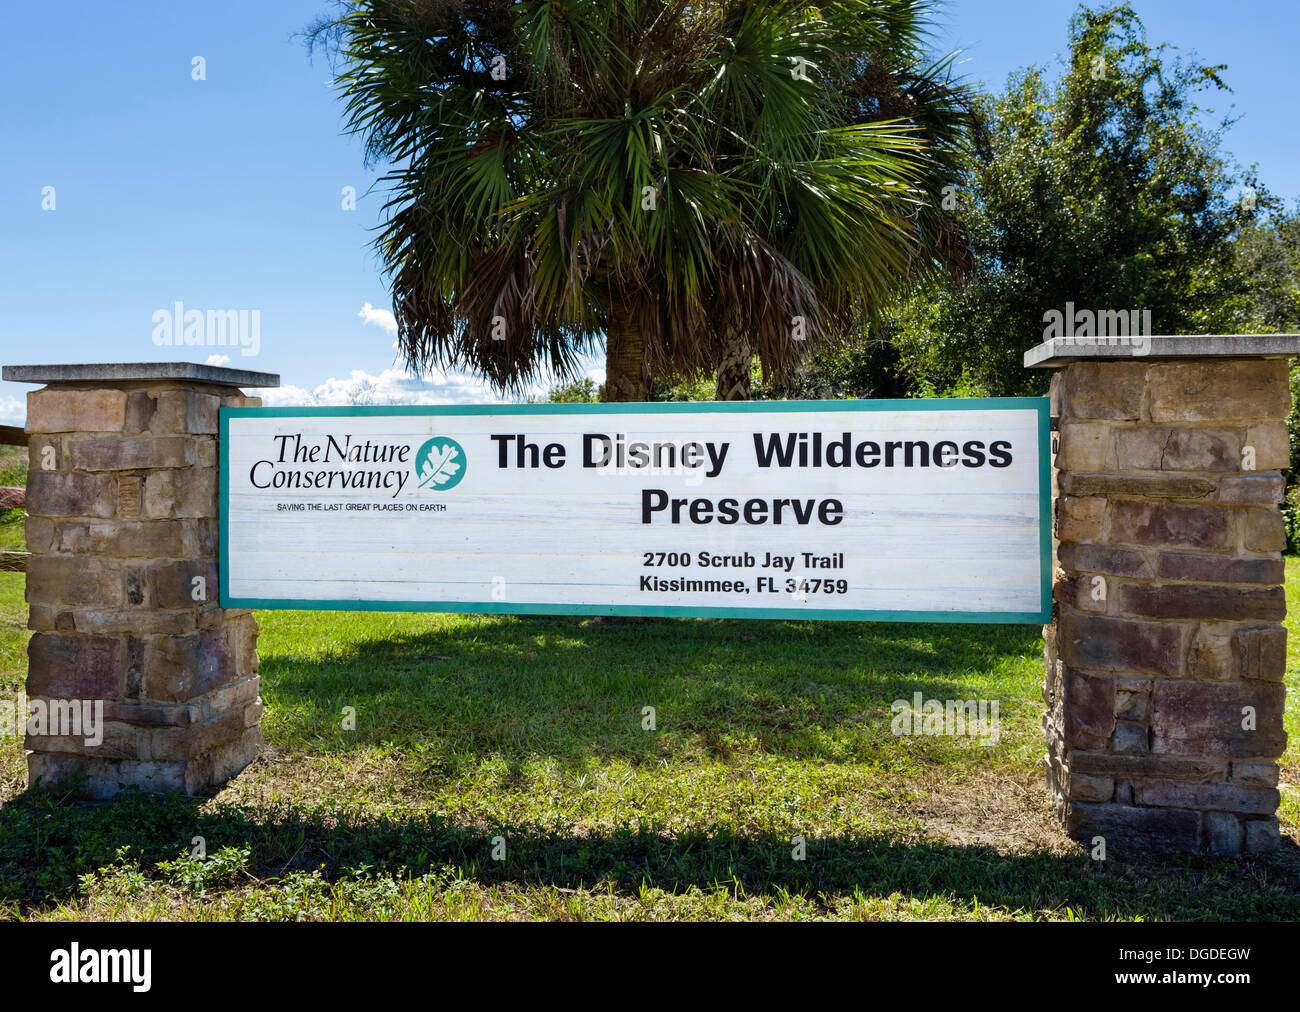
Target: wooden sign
[{"x": 859, "y": 510}]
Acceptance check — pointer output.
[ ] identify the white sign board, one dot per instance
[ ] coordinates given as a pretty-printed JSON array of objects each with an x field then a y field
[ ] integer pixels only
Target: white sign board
[{"x": 860, "y": 510}]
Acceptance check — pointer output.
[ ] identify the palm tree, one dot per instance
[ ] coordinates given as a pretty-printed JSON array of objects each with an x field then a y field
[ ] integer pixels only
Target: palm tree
[{"x": 693, "y": 181}]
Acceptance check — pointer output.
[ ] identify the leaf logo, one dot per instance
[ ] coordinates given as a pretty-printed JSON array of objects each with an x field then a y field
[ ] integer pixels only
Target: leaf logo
[{"x": 440, "y": 464}]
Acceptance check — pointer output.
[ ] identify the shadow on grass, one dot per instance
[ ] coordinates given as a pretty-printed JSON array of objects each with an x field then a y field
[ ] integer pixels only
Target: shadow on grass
[
  {"x": 45, "y": 846},
  {"x": 575, "y": 688}
]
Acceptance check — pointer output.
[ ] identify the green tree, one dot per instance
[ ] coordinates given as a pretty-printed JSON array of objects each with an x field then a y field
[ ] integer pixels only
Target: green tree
[
  {"x": 1102, "y": 190},
  {"x": 1267, "y": 297},
  {"x": 667, "y": 174}
]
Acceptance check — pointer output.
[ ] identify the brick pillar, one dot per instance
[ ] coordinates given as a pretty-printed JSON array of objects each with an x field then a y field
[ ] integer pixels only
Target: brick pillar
[
  {"x": 122, "y": 580},
  {"x": 1165, "y": 660}
]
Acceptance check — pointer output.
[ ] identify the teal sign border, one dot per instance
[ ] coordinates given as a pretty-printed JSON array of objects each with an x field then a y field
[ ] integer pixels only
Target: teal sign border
[{"x": 1039, "y": 404}]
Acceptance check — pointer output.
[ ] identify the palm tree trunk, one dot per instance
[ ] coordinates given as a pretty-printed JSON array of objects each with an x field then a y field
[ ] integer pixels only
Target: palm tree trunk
[
  {"x": 734, "y": 377},
  {"x": 626, "y": 377}
]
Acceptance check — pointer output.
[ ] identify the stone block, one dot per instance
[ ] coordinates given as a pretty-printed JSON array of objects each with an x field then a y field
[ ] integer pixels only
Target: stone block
[
  {"x": 39, "y": 532},
  {"x": 1082, "y": 592},
  {"x": 139, "y": 539},
  {"x": 1262, "y": 529},
  {"x": 133, "y": 621},
  {"x": 1203, "y": 601},
  {"x": 1212, "y": 655},
  {"x": 191, "y": 492},
  {"x": 1085, "y": 446},
  {"x": 202, "y": 413},
  {"x": 1104, "y": 390},
  {"x": 1255, "y": 774},
  {"x": 176, "y": 669},
  {"x": 1147, "y": 449},
  {"x": 1131, "y": 738},
  {"x": 1132, "y": 706},
  {"x": 219, "y": 765},
  {"x": 236, "y": 695},
  {"x": 1158, "y": 525},
  {"x": 140, "y": 410},
  {"x": 174, "y": 583},
  {"x": 1148, "y": 766},
  {"x": 76, "y": 411},
  {"x": 241, "y": 638},
  {"x": 1207, "y": 390},
  {"x": 1265, "y": 489},
  {"x": 186, "y": 411},
  {"x": 1262, "y": 653},
  {"x": 65, "y": 494},
  {"x": 1105, "y": 560},
  {"x": 1207, "y": 718},
  {"x": 1147, "y": 486},
  {"x": 1079, "y": 519},
  {"x": 1127, "y": 828},
  {"x": 74, "y": 582},
  {"x": 103, "y": 778},
  {"x": 129, "y": 495},
  {"x": 1089, "y": 710},
  {"x": 136, "y": 454},
  {"x": 1223, "y": 834},
  {"x": 116, "y": 741},
  {"x": 1114, "y": 644},
  {"x": 1080, "y": 787},
  {"x": 142, "y": 715},
  {"x": 1221, "y": 569},
  {"x": 1207, "y": 797},
  {"x": 1141, "y": 449},
  {"x": 1263, "y": 836},
  {"x": 74, "y": 667},
  {"x": 1272, "y": 445},
  {"x": 42, "y": 618},
  {"x": 72, "y": 539}
]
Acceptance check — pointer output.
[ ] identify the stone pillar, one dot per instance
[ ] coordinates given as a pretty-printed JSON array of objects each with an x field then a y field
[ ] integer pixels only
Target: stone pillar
[
  {"x": 1165, "y": 659},
  {"x": 122, "y": 579}
]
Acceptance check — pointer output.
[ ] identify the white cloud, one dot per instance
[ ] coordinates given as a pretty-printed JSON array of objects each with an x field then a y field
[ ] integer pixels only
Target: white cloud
[
  {"x": 12, "y": 411},
  {"x": 218, "y": 359},
  {"x": 379, "y": 317},
  {"x": 392, "y": 386},
  {"x": 396, "y": 387}
]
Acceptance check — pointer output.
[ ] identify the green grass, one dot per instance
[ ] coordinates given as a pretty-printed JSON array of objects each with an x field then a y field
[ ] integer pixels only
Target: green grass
[
  {"x": 475, "y": 731},
  {"x": 13, "y": 471}
]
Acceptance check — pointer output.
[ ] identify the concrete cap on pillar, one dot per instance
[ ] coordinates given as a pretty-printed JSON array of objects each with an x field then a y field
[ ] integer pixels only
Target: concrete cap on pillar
[
  {"x": 139, "y": 372},
  {"x": 1060, "y": 351}
]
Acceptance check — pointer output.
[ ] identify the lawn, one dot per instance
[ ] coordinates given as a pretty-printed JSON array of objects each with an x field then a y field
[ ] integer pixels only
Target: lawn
[
  {"x": 13, "y": 472},
  {"x": 529, "y": 740}
]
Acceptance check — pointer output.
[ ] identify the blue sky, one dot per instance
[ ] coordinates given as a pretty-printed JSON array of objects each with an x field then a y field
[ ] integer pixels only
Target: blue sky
[{"x": 226, "y": 193}]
